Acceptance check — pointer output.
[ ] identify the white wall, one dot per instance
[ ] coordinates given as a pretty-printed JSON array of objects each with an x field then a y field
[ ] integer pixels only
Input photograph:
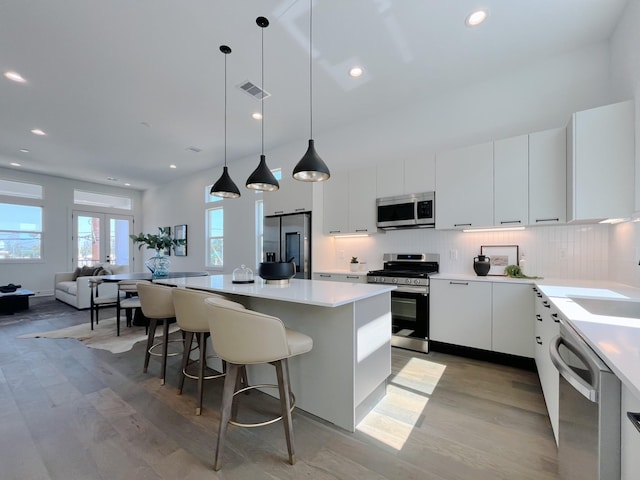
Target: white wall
[{"x": 57, "y": 228}]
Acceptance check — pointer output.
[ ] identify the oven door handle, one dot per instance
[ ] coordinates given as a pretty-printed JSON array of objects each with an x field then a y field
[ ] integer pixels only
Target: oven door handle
[
  {"x": 582, "y": 386},
  {"x": 404, "y": 289}
]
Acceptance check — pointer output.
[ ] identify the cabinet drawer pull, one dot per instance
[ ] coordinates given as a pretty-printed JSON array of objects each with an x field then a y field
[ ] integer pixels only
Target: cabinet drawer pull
[
  {"x": 325, "y": 276},
  {"x": 509, "y": 221},
  {"x": 300, "y": 209},
  {"x": 362, "y": 229},
  {"x": 278, "y": 211},
  {"x": 538, "y": 317},
  {"x": 461, "y": 224},
  {"x": 335, "y": 231},
  {"x": 635, "y": 419},
  {"x": 538, "y": 220},
  {"x": 352, "y": 276},
  {"x": 546, "y": 304},
  {"x": 538, "y": 340},
  {"x": 458, "y": 283},
  {"x": 555, "y": 317}
]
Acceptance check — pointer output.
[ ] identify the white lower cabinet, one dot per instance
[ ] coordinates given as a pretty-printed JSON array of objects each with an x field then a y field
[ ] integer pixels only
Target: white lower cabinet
[
  {"x": 460, "y": 313},
  {"x": 546, "y": 328},
  {"x": 340, "y": 277},
  {"x": 513, "y": 307},
  {"x": 630, "y": 437},
  {"x": 494, "y": 316}
]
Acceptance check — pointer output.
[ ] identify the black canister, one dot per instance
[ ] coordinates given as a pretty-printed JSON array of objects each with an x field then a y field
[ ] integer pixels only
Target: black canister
[{"x": 481, "y": 265}]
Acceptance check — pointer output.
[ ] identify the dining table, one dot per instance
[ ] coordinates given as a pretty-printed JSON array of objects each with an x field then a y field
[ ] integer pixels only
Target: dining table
[{"x": 139, "y": 319}]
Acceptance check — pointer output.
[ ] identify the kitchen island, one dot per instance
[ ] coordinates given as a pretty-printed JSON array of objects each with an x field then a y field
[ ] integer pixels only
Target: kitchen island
[{"x": 344, "y": 376}]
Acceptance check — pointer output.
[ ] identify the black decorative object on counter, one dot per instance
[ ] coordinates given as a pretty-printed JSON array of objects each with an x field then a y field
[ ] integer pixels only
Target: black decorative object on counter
[
  {"x": 481, "y": 265},
  {"x": 277, "y": 270}
]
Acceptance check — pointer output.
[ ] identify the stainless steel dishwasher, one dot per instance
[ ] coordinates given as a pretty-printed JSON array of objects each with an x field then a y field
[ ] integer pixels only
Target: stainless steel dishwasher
[{"x": 589, "y": 427}]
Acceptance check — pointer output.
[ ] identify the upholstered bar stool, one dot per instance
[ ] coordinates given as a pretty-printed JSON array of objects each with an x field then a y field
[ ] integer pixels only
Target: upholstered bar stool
[
  {"x": 97, "y": 301},
  {"x": 156, "y": 302},
  {"x": 128, "y": 300},
  {"x": 244, "y": 337},
  {"x": 193, "y": 321}
]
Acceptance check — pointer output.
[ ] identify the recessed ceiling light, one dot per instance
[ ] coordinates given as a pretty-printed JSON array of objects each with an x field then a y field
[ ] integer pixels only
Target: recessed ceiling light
[
  {"x": 257, "y": 116},
  {"x": 15, "y": 164},
  {"x": 127, "y": 184},
  {"x": 172, "y": 166},
  {"x": 37, "y": 131},
  {"x": 113, "y": 179},
  {"x": 476, "y": 18},
  {"x": 24, "y": 150},
  {"x": 356, "y": 72},
  {"x": 15, "y": 76}
]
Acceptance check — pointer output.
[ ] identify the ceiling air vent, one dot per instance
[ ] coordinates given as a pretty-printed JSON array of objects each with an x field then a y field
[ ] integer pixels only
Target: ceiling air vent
[
  {"x": 252, "y": 89},
  {"x": 194, "y": 149}
]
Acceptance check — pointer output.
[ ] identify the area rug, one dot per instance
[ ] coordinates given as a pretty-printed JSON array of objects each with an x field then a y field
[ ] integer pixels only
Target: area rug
[{"x": 103, "y": 336}]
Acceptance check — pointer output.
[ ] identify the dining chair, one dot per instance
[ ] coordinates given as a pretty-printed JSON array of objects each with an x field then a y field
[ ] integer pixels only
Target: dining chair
[
  {"x": 97, "y": 301},
  {"x": 127, "y": 300}
]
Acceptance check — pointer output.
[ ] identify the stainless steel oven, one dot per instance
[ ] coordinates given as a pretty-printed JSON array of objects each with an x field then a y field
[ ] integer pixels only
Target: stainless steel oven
[
  {"x": 410, "y": 301},
  {"x": 589, "y": 427}
]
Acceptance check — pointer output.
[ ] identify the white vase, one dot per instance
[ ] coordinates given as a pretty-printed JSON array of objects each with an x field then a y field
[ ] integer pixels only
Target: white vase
[{"x": 354, "y": 267}]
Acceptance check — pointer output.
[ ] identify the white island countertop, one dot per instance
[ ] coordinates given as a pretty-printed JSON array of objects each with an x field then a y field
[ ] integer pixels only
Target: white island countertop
[
  {"x": 308, "y": 292},
  {"x": 616, "y": 339}
]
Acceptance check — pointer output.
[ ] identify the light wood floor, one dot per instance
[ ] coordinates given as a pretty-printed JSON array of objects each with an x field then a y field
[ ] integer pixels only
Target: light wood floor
[{"x": 69, "y": 412}]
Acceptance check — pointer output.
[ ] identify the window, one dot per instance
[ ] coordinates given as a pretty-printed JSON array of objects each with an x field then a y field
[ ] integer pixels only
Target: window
[
  {"x": 20, "y": 189},
  {"x": 208, "y": 198},
  {"x": 20, "y": 232},
  {"x": 93, "y": 199},
  {"x": 215, "y": 237}
]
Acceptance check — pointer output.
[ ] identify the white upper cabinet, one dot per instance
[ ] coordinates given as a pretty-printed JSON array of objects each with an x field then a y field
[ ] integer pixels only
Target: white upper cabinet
[
  {"x": 335, "y": 203},
  {"x": 511, "y": 181},
  {"x": 547, "y": 177},
  {"x": 350, "y": 202},
  {"x": 420, "y": 174},
  {"x": 416, "y": 175},
  {"x": 390, "y": 179},
  {"x": 362, "y": 201},
  {"x": 293, "y": 196},
  {"x": 464, "y": 187},
  {"x": 600, "y": 163}
]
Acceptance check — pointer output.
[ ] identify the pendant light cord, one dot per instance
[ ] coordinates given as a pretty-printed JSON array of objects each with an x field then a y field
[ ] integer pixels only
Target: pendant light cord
[
  {"x": 225, "y": 110},
  {"x": 263, "y": 90},
  {"x": 310, "y": 68}
]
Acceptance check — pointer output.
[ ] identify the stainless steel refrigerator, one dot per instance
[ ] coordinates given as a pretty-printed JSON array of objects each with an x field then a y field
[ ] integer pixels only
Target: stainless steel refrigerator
[{"x": 288, "y": 237}]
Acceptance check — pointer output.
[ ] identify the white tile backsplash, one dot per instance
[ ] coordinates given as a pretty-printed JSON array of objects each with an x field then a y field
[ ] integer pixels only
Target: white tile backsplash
[{"x": 567, "y": 251}]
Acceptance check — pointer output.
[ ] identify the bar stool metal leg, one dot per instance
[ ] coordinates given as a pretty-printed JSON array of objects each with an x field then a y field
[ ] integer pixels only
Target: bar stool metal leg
[
  {"x": 282, "y": 372},
  {"x": 225, "y": 412}
]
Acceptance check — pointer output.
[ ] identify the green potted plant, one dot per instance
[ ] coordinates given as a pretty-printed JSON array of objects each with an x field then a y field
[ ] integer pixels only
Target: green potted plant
[
  {"x": 159, "y": 263},
  {"x": 353, "y": 265}
]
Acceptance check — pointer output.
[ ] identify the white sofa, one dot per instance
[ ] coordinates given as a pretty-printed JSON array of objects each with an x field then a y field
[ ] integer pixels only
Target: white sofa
[{"x": 75, "y": 291}]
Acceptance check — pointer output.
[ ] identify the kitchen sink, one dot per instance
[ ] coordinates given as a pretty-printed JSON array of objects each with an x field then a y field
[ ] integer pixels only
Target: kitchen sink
[{"x": 610, "y": 307}]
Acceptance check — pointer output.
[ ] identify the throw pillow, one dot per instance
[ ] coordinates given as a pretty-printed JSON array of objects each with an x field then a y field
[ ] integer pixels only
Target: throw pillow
[
  {"x": 87, "y": 271},
  {"x": 76, "y": 273}
]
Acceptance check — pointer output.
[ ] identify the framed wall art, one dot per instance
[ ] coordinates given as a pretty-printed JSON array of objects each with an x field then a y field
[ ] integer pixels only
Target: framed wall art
[
  {"x": 180, "y": 233},
  {"x": 500, "y": 256}
]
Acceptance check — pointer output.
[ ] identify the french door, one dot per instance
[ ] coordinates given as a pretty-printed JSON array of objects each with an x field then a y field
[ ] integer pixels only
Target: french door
[{"x": 101, "y": 238}]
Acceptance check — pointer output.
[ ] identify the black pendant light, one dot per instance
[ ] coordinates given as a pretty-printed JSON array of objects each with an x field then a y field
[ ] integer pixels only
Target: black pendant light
[
  {"x": 311, "y": 168},
  {"x": 225, "y": 187},
  {"x": 262, "y": 178}
]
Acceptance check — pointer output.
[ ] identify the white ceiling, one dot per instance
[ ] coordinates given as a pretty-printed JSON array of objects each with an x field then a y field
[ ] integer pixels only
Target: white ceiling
[{"x": 124, "y": 87}]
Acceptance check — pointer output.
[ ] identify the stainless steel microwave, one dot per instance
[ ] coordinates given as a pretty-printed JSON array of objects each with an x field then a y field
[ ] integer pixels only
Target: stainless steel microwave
[{"x": 407, "y": 211}]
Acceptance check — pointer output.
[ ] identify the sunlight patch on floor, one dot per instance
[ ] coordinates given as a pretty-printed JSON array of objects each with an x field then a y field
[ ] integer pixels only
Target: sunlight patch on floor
[{"x": 401, "y": 410}]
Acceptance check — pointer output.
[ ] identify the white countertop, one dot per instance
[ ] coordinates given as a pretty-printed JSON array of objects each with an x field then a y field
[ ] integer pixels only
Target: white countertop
[
  {"x": 310, "y": 292},
  {"x": 465, "y": 277},
  {"x": 615, "y": 339}
]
